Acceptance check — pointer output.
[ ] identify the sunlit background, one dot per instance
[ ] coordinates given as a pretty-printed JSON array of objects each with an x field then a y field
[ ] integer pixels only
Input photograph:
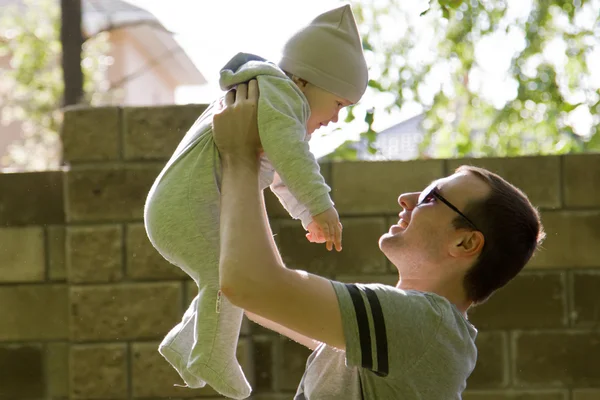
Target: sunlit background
[
  {"x": 80, "y": 284},
  {"x": 421, "y": 74},
  {"x": 211, "y": 32}
]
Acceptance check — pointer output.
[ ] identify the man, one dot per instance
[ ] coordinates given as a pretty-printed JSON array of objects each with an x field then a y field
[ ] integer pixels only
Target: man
[{"x": 455, "y": 243}]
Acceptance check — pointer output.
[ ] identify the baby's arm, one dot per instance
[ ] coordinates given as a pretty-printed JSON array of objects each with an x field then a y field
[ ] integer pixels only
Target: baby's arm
[
  {"x": 298, "y": 183},
  {"x": 296, "y": 209},
  {"x": 282, "y": 115},
  {"x": 322, "y": 228}
]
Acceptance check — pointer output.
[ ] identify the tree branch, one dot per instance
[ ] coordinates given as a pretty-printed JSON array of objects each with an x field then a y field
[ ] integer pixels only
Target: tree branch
[{"x": 71, "y": 40}]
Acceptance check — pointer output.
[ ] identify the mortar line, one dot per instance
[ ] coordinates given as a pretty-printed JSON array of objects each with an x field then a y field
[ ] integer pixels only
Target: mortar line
[
  {"x": 561, "y": 182},
  {"x": 124, "y": 231},
  {"x": 45, "y": 370},
  {"x": 508, "y": 366},
  {"x": 121, "y": 135},
  {"x": 46, "y": 254},
  {"x": 129, "y": 369},
  {"x": 569, "y": 300},
  {"x": 148, "y": 281}
]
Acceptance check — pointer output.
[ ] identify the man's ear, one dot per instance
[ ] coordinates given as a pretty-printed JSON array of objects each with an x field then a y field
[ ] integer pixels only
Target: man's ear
[{"x": 467, "y": 244}]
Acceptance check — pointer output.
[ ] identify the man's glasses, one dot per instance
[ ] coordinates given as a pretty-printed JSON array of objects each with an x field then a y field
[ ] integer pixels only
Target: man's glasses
[{"x": 434, "y": 192}]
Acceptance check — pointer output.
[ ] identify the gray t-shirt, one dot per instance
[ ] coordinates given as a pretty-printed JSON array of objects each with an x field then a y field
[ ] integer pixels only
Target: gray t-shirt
[{"x": 399, "y": 345}]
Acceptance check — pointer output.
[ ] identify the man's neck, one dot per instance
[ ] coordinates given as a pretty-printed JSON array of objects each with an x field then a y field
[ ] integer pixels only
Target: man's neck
[{"x": 449, "y": 290}]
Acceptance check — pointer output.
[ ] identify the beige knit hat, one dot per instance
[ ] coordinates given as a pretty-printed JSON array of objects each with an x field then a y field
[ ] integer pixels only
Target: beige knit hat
[{"x": 328, "y": 53}]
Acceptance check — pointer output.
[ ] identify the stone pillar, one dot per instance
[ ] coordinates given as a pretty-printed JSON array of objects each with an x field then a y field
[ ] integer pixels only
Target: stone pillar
[{"x": 33, "y": 292}]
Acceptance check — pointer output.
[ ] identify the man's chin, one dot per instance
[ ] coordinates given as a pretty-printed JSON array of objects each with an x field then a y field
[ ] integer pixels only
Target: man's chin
[{"x": 385, "y": 239}]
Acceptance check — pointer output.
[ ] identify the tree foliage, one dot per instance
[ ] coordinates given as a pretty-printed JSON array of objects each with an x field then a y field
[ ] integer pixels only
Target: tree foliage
[
  {"x": 31, "y": 88},
  {"x": 439, "y": 59}
]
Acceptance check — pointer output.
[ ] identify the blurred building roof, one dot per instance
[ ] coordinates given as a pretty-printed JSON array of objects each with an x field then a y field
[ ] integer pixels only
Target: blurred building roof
[
  {"x": 144, "y": 27},
  {"x": 101, "y": 15},
  {"x": 398, "y": 142}
]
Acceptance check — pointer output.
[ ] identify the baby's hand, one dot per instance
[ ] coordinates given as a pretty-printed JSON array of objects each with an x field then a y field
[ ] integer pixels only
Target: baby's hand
[
  {"x": 326, "y": 227},
  {"x": 315, "y": 234}
]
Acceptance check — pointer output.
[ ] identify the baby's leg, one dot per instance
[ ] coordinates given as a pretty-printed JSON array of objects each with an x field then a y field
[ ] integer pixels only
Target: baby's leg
[
  {"x": 177, "y": 346},
  {"x": 213, "y": 357},
  {"x": 183, "y": 224},
  {"x": 170, "y": 233},
  {"x": 202, "y": 347}
]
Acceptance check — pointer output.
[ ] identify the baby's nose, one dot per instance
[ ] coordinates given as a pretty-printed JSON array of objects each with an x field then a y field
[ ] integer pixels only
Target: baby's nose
[{"x": 335, "y": 117}]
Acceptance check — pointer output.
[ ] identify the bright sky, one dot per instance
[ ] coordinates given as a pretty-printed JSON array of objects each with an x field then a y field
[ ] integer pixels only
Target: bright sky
[{"x": 212, "y": 31}]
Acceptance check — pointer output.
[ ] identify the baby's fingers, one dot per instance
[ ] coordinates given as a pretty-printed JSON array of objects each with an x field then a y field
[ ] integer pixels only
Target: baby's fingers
[
  {"x": 337, "y": 237},
  {"x": 330, "y": 237},
  {"x": 326, "y": 232}
]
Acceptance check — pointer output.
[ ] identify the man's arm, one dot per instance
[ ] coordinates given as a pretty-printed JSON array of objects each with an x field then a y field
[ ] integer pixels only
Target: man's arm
[
  {"x": 251, "y": 273},
  {"x": 295, "y": 336}
]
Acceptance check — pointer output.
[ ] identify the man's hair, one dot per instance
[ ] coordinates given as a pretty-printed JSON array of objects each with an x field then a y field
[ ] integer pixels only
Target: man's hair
[{"x": 512, "y": 229}]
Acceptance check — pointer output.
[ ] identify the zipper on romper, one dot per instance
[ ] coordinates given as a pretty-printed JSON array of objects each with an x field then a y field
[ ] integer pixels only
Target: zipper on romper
[{"x": 218, "y": 308}]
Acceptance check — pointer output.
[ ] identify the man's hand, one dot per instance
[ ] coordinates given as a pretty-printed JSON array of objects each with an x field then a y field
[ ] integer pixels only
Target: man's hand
[
  {"x": 328, "y": 229},
  {"x": 235, "y": 127}
]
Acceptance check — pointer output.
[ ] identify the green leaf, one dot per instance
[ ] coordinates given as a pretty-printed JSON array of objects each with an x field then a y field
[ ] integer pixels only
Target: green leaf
[
  {"x": 445, "y": 12},
  {"x": 376, "y": 85},
  {"x": 370, "y": 117},
  {"x": 593, "y": 144},
  {"x": 350, "y": 116},
  {"x": 454, "y": 4},
  {"x": 345, "y": 151},
  {"x": 567, "y": 107},
  {"x": 370, "y": 135}
]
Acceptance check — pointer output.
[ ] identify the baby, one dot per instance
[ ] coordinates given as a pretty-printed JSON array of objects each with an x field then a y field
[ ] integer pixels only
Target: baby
[{"x": 322, "y": 70}]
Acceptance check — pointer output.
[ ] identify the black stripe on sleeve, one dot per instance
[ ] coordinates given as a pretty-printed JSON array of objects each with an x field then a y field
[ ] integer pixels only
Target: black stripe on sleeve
[
  {"x": 380, "y": 333},
  {"x": 362, "y": 321}
]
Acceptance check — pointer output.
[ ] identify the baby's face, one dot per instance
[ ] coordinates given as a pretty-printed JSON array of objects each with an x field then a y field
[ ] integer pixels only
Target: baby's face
[{"x": 324, "y": 107}]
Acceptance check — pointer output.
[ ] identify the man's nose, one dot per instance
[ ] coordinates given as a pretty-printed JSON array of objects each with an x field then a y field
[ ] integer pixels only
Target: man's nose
[{"x": 408, "y": 201}]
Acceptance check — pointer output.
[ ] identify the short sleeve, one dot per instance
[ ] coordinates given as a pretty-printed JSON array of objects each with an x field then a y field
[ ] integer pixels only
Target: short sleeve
[{"x": 384, "y": 325}]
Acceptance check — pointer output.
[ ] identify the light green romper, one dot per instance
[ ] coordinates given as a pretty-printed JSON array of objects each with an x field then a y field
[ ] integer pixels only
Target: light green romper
[{"x": 182, "y": 218}]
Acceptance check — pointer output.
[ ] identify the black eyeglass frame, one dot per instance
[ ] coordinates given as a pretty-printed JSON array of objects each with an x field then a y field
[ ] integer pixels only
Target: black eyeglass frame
[{"x": 436, "y": 193}]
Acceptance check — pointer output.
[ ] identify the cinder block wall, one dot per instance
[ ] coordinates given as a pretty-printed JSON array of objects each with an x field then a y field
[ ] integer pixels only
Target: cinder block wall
[{"x": 85, "y": 299}]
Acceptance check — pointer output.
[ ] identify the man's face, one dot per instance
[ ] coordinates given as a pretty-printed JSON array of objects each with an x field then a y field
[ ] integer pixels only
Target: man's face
[{"x": 424, "y": 233}]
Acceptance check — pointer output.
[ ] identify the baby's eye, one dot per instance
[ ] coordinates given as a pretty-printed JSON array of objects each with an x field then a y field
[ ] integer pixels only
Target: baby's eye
[{"x": 340, "y": 105}]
